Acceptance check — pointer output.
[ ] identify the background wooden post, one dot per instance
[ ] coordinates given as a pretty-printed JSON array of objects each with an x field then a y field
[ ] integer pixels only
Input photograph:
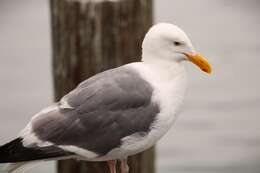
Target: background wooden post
[{"x": 90, "y": 36}]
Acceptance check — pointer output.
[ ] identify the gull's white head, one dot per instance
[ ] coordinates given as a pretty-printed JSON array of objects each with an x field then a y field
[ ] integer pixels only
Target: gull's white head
[{"x": 168, "y": 43}]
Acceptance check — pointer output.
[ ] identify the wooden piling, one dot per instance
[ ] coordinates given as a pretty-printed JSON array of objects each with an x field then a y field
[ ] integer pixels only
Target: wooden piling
[{"x": 90, "y": 36}]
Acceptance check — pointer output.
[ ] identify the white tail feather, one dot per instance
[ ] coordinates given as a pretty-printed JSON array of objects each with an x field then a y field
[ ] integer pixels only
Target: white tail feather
[{"x": 21, "y": 167}]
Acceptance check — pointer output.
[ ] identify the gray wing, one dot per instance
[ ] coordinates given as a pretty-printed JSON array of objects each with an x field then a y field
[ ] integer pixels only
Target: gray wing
[{"x": 104, "y": 109}]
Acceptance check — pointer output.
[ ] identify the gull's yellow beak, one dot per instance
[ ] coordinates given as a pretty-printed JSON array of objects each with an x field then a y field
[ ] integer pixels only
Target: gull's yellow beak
[{"x": 200, "y": 61}]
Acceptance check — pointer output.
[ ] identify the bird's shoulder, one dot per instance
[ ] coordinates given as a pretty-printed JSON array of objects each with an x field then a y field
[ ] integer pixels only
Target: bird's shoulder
[{"x": 122, "y": 84}]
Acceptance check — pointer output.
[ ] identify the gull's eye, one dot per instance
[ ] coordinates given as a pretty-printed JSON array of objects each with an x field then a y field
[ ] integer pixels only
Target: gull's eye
[{"x": 177, "y": 43}]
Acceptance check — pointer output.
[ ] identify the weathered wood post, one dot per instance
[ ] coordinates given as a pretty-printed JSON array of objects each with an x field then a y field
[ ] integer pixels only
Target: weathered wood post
[{"x": 90, "y": 36}]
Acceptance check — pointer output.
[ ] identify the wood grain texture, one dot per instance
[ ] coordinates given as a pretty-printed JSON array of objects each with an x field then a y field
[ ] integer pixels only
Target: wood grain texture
[{"x": 90, "y": 36}]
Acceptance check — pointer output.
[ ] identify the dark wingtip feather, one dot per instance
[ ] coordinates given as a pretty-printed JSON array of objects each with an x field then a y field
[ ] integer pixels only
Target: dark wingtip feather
[{"x": 14, "y": 151}]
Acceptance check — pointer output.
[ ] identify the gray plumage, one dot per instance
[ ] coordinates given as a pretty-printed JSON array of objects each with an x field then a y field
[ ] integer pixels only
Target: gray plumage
[{"x": 104, "y": 109}]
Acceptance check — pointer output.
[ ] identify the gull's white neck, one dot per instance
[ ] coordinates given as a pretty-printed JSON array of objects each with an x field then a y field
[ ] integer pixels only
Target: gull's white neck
[
  {"x": 164, "y": 69},
  {"x": 167, "y": 77}
]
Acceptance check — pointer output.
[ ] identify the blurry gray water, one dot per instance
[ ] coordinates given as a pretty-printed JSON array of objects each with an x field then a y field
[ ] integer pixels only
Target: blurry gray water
[{"x": 218, "y": 129}]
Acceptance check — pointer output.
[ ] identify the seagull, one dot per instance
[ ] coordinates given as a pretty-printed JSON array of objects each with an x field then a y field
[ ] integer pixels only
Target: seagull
[{"x": 114, "y": 114}]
